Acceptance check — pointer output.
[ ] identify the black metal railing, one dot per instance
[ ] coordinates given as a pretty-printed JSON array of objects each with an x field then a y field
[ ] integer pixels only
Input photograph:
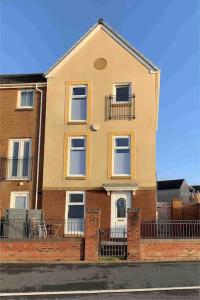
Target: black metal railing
[
  {"x": 173, "y": 229},
  {"x": 16, "y": 168},
  {"x": 121, "y": 108},
  {"x": 14, "y": 229},
  {"x": 113, "y": 242}
]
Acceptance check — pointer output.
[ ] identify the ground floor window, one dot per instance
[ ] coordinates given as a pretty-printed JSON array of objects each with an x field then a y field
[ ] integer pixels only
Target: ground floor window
[
  {"x": 19, "y": 200},
  {"x": 74, "y": 212}
]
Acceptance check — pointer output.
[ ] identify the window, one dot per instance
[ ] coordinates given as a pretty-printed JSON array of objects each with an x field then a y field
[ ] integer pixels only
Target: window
[
  {"x": 19, "y": 200},
  {"x": 77, "y": 158},
  {"x": 26, "y": 99},
  {"x": 79, "y": 103},
  {"x": 19, "y": 161},
  {"x": 121, "y": 156},
  {"x": 75, "y": 212},
  {"x": 122, "y": 92}
]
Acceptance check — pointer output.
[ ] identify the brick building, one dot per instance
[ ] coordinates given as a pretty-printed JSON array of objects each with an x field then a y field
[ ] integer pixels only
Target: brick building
[
  {"x": 100, "y": 133},
  {"x": 22, "y": 119}
]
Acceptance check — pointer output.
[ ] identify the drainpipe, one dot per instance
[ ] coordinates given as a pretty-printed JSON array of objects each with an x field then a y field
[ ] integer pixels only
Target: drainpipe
[{"x": 39, "y": 146}]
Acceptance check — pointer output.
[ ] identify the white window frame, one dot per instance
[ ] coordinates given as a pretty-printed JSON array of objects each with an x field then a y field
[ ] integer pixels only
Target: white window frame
[
  {"x": 19, "y": 99},
  {"x": 10, "y": 156},
  {"x": 69, "y": 154},
  {"x": 115, "y": 93},
  {"x": 78, "y": 97},
  {"x": 114, "y": 147},
  {"x": 13, "y": 197},
  {"x": 67, "y": 203}
]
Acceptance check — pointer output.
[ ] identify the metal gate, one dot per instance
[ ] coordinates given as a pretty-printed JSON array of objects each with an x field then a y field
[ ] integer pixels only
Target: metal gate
[{"x": 113, "y": 242}]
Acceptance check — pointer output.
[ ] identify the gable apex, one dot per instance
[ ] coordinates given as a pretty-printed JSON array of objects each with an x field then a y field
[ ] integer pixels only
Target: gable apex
[{"x": 102, "y": 25}]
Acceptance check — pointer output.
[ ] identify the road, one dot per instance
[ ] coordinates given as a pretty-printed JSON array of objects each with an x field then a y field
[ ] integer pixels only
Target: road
[{"x": 19, "y": 277}]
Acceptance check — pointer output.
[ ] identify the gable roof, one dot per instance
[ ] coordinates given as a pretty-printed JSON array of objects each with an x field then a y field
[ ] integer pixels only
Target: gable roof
[
  {"x": 22, "y": 78},
  {"x": 101, "y": 24},
  {"x": 169, "y": 184}
]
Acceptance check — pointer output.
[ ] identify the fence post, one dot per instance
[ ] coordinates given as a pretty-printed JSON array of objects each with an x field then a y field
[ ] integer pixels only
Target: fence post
[
  {"x": 92, "y": 225},
  {"x": 133, "y": 234}
]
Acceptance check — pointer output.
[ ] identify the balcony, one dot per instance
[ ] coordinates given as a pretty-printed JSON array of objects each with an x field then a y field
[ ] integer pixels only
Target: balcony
[
  {"x": 121, "y": 108},
  {"x": 16, "y": 168}
]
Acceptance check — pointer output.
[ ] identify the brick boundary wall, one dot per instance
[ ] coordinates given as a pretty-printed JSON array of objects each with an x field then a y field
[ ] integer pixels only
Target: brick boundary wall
[
  {"x": 158, "y": 249},
  {"x": 92, "y": 225},
  {"x": 71, "y": 249},
  {"x": 170, "y": 250}
]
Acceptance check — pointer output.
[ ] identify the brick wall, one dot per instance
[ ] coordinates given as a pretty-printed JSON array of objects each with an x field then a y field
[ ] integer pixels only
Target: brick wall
[
  {"x": 57, "y": 250},
  {"x": 100, "y": 199},
  {"x": 170, "y": 250},
  {"x": 146, "y": 201},
  {"x": 16, "y": 123},
  {"x": 53, "y": 204}
]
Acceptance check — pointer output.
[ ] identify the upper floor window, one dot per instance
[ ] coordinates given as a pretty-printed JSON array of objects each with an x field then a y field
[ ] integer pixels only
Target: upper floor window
[
  {"x": 78, "y": 111},
  {"x": 19, "y": 161},
  {"x": 26, "y": 99},
  {"x": 77, "y": 157},
  {"x": 122, "y": 92},
  {"x": 121, "y": 156}
]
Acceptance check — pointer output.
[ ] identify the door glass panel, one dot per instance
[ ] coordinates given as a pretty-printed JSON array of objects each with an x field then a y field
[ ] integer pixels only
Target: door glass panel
[
  {"x": 76, "y": 211},
  {"x": 25, "y": 161},
  {"x": 20, "y": 202},
  {"x": 121, "y": 208},
  {"x": 14, "y": 159},
  {"x": 122, "y": 93}
]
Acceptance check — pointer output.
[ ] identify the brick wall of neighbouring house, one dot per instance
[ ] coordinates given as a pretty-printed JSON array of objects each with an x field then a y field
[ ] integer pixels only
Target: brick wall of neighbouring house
[
  {"x": 146, "y": 201},
  {"x": 170, "y": 250},
  {"x": 17, "y": 123},
  {"x": 49, "y": 250}
]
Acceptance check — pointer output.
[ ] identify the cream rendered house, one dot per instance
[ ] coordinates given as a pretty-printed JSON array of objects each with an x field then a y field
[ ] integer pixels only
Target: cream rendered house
[{"x": 100, "y": 132}]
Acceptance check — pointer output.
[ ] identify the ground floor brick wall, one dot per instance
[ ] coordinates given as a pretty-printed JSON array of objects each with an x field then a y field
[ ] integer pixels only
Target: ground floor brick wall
[
  {"x": 146, "y": 201},
  {"x": 100, "y": 199},
  {"x": 33, "y": 251},
  {"x": 54, "y": 201},
  {"x": 170, "y": 250}
]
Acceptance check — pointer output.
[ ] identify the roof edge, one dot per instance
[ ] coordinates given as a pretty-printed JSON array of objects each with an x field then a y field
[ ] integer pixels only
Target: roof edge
[{"x": 152, "y": 67}]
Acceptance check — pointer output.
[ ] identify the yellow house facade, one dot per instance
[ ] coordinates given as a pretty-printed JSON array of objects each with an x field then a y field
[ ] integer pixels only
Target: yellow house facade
[{"x": 100, "y": 131}]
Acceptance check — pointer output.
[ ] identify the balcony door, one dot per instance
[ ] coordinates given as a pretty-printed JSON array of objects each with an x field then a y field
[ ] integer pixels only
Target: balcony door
[{"x": 19, "y": 160}]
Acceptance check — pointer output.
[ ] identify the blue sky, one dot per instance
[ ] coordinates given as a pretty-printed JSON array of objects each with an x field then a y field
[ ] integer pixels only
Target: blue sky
[{"x": 35, "y": 33}]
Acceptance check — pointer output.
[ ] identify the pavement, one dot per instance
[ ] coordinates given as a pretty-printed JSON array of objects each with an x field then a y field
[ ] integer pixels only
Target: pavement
[{"x": 20, "y": 277}]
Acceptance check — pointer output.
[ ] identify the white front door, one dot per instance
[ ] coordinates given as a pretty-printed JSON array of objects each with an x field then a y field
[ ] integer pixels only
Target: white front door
[{"x": 120, "y": 202}]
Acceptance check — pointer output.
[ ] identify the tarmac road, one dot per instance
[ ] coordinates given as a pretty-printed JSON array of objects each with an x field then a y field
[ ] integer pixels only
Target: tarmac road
[{"x": 20, "y": 277}]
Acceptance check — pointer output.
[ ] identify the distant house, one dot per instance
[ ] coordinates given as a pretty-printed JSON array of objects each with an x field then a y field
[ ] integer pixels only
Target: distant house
[
  {"x": 167, "y": 190},
  {"x": 195, "y": 193}
]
